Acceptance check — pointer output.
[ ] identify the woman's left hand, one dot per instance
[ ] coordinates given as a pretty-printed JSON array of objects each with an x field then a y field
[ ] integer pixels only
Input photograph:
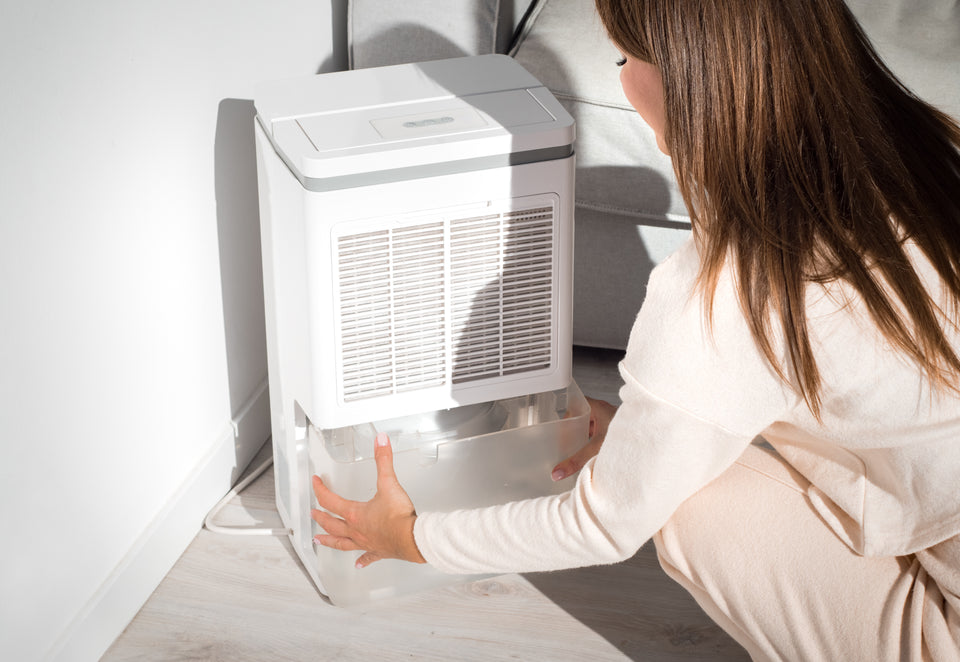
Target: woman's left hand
[
  {"x": 381, "y": 527},
  {"x": 601, "y": 413}
]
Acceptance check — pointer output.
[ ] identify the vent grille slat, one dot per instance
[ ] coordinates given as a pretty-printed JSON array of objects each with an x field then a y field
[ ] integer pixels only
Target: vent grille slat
[{"x": 455, "y": 301}]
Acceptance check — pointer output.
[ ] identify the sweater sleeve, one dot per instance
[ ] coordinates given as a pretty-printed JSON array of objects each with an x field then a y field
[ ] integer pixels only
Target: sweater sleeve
[{"x": 689, "y": 410}]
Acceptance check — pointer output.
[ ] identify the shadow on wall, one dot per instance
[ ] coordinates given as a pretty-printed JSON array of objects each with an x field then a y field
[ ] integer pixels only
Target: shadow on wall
[
  {"x": 241, "y": 265},
  {"x": 241, "y": 273}
]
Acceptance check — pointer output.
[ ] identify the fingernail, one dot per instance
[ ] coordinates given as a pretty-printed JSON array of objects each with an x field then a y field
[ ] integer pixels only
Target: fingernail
[
  {"x": 316, "y": 540},
  {"x": 559, "y": 474},
  {"x": 382, "y": 439},
  {"x": 358, "y": 565}
]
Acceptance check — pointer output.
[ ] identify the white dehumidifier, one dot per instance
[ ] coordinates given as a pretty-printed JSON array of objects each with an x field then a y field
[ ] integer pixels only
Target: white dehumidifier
[{"x": 417, "y": 236}]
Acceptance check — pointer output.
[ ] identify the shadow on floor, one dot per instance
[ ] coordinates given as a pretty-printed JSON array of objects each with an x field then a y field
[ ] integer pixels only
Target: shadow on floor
[{"x": 616, "y": 603}]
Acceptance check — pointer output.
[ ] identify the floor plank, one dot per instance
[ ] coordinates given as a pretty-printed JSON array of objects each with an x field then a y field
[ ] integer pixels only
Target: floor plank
[{"x": 248, "y": 598}]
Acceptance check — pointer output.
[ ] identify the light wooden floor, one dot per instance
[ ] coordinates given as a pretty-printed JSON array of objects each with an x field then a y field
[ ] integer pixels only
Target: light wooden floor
[{"x": 247, "y": 598}]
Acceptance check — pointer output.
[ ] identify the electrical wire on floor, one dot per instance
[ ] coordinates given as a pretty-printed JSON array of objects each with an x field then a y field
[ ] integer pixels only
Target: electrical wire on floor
[{"x": 209, "y": 524}]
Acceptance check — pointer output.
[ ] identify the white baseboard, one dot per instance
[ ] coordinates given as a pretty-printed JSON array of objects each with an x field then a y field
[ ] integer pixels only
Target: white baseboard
[{"x": 150, "y": 558}]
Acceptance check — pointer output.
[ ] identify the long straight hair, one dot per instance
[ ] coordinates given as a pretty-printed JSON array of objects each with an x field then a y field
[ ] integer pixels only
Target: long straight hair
[{"x": 802, "y": 159}]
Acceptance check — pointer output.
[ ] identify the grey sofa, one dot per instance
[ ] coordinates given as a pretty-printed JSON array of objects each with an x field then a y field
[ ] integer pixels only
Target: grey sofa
[{"x": 629, "y": 214}]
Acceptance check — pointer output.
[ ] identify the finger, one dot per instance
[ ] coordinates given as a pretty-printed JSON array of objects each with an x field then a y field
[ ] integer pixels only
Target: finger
[
  {"x": 367, "y": 559},
  {"x": 328, "y": 499},
  {"x": 593, "y": 422},
  {"x": 336, "y": 542},
  {"x": 330, "y": 524},
  {"x": 575, "y": 462},
  {"x": 383, "y": 456}
]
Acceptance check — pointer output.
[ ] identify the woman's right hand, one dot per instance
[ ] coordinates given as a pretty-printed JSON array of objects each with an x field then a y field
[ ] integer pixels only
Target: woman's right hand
[{"x": 601, "y": 413}]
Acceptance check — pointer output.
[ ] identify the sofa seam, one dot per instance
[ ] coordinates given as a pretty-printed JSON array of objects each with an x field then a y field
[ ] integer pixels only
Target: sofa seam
[
  {"x": 602, "y": 104},
  {"x": 670, "y": 218}
]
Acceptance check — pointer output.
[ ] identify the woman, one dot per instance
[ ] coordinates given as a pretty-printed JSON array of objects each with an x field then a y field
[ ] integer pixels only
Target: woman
[{"x": 816, "y": 305}]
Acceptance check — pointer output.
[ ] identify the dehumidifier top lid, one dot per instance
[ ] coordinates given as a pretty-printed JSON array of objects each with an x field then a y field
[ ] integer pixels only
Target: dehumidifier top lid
[{"x": 411, "y": 120}]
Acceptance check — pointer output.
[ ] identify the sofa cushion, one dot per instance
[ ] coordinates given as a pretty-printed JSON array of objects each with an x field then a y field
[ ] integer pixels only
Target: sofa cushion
[
  {"x": 920, "y": 41},
  {"x": 566, "y": 48}
]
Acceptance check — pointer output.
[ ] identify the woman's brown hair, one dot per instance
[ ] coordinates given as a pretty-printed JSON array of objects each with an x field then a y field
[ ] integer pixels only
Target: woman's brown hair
[{"x": 802, "y": 159}]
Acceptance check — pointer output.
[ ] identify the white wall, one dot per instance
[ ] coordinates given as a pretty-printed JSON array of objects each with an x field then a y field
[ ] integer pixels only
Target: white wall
[{"x": 131, "y": 323}]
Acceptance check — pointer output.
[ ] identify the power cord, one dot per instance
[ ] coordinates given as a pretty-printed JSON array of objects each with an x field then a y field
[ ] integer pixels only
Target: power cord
[{"x": 241, "y": 530}]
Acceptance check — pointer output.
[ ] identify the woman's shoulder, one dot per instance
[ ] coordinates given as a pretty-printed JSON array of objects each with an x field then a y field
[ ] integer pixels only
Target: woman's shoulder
[
  {"x": 704, "y": 362},
  {"x": 680, "y": 266},
  {"x": 675, "y": 296}
]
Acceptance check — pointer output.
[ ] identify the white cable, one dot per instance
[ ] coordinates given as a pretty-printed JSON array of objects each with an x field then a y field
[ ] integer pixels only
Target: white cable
[{"x": 241, "y": 530}]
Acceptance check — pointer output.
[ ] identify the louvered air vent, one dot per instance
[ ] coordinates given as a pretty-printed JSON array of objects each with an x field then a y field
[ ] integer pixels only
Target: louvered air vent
[
  {"x": 502, "y": 303},
  {"x": 457, "y": 300}
]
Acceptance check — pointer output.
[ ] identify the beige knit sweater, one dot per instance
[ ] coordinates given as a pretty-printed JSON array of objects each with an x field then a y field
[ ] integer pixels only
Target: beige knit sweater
[{"x": 884, "y": 463}]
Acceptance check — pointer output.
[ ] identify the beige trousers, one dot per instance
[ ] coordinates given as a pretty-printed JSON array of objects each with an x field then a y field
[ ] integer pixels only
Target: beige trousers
[{"x": 757, "y": 557}]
